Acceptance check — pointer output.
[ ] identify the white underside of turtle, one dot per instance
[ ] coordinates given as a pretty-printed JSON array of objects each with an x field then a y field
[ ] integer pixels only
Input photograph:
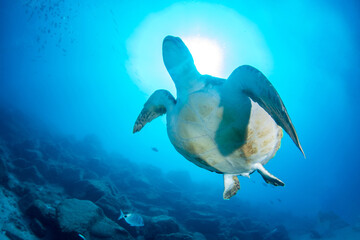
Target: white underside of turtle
[{"x": 232, "y": 127}]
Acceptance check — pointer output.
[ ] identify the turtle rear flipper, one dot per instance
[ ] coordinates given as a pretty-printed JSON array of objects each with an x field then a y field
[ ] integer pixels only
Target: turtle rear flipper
[
  {"x": 268, "y": 177},
  {"x": 231, "y": 185}
]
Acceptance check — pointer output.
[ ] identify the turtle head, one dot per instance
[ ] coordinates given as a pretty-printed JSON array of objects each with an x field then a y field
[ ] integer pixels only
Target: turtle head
[
  {"x": 179, "y": 63},
  {"x": 175, "y": 53}
]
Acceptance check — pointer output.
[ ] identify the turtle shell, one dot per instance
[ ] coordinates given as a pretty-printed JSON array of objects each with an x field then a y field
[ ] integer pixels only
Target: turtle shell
[{"x": 222, "y": 133}]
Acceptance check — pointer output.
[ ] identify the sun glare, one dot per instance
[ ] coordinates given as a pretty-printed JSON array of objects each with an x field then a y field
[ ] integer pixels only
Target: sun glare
[
  {"x": 208, "y": 31},
  {"x": 207, "y": 54}
]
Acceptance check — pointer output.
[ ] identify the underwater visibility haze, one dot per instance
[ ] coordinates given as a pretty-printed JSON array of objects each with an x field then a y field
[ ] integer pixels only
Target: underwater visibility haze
[{"x": 74, "y": 76}]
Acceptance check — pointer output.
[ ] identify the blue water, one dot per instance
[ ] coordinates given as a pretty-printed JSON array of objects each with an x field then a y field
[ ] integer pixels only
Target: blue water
[{"x": 87, "y": 67}]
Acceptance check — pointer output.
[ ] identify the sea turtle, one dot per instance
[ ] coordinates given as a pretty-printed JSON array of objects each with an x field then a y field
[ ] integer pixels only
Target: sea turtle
[{"x": 232, "y": 127}]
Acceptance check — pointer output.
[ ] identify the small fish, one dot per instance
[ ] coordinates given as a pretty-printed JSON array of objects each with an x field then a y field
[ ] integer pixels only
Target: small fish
[
  {"x": 133, "y": 219},
  {"x": 81, "y": 236},
  {"x": 155, "y": 149}
]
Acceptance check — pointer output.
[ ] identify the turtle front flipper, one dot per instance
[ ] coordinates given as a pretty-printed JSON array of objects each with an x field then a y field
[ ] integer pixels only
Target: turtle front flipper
[
  {"x": 158, "y": 104},
  {"x": 231, "y": 185},
  {"x": 268, "y": 177},
  {"x": 254, "y": 84}
]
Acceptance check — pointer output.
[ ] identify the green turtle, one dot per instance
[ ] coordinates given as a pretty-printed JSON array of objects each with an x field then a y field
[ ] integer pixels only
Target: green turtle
[{"x": 232, "y": 127}]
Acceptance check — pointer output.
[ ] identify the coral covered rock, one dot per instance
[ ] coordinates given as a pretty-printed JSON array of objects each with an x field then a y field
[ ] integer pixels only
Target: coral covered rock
[
  {"x": 174, "y": 236},
  {"x": 160, "y": 225},
  {"x": 77, "y": 216},
  {"x": 3, "y": 171},
  {"x": 205, "y": 225},
  {"x": 91, "y": 190},
  {"x": 84, "y": 217}
]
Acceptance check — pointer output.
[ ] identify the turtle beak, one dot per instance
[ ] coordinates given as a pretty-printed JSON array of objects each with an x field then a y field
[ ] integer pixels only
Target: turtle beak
[{"x": 175, "y": 52}]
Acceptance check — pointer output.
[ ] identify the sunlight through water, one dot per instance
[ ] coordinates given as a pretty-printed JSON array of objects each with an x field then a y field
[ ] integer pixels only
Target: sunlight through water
[
  {"x": 208, "y": 31},
  {"x": 207, "y": 54}
]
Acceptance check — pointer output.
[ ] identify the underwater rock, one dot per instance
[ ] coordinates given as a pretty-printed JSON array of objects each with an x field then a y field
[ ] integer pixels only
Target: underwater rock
[
  {"x": 26, "y": 201},
  {"x": 3, "y": 171},
  {"x": 29, "y": 174},
  {"x": 154, "y": 175},
  {"x": 314, "y": 234},
  {"x": 53, "y": 174},
  {"x": 356, "y": 225},
  {"x": 156, "y": 211},
  {"x": 327, "y": 216},
  {"x": 121, "y": 182},
  {"x": 127, "y": 183},
  {"x": 111, "y": 205},
  {"x": 245, "y": 224},
  {"x": 37, "y": 228},
  {"x": 82, "y": 216},
  {"x": 171, "y": 194},
  {"x": 98, "y": 166},
  {"x": 12, "y": 224},
  {"x": 21, "y": 163},
  {"x": 155, "y": 194},
  {"x": 203, "y": 225},
  {"x": 180, "y": 178},
  {"x": 70, "y": 175},
  {"x": 77, "y": 216},
  {"x": 89, "y": 175},
  {"x": 60, "y": 174},
  {"x": 91, "y": 190},
  {"x": 90, "y": 146},
  {"x": 36, "y": 205},
  {"x": 33, "y": 155},
  {"x": 278, "y": 233},
  {"x": 43, "y": 168},
  {"x": 205, "y": 214},
  {"x": 198, "y": 236},
  {"x": 39, "y": 168},
  {"x": 29, "y": 158},
  {"x": 28, "y": 155},
  {"x": 332, "y": 220},
  {"x": 174, "y": 236},
  {"x": 250, "y": 235},
  {"x": 12, "y": 236},
  {"x": 245, "y": 228},
  {"x": 13, "y": 125},
  {"x": 45, "y": 213},
  {"x": 150, "y": 197},
  {"x": 160, "y": 225},
  {"x": 21, "y": 145},
  {"x": 51, "y": 149},
  {"x": 107, "y": 229},
  {"x": 16, "y": 187}
]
